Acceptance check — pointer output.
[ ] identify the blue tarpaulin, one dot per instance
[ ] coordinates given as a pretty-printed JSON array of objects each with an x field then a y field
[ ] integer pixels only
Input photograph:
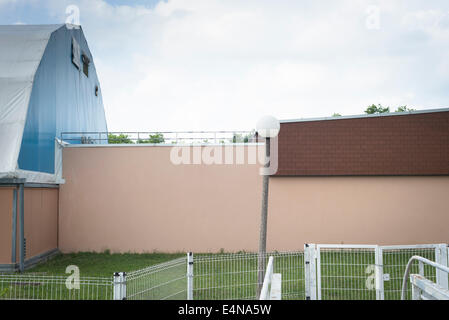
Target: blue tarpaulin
[{"x": 45, "y": 95}]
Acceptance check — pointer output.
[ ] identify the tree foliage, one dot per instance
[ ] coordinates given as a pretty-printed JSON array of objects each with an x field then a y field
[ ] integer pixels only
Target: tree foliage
[
  {"x": 404, "y": 109},
  {"x": 154, "y": 139},
  {"x": 377, "y": 109},
  {"x": 119, "y": 139},
  {"x": 239, "y": 138},
  {"x": 373, "y": 109}
]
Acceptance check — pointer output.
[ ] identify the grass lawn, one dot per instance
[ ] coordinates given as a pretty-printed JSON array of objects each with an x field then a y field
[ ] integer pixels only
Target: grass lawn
[{"x": 101, "y": 264}]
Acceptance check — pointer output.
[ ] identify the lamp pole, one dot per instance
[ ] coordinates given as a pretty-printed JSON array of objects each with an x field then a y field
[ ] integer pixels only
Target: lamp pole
[
  {"x": 267, "y": 127},
  {"x": 263, "y": 222}
]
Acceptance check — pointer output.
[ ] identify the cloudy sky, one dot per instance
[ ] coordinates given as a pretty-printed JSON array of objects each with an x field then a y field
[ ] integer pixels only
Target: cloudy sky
[{"x": 221, "y": 64}]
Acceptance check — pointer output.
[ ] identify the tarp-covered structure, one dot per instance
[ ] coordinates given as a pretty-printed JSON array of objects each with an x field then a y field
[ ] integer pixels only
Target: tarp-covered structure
[{"x": 48, "y": 85}]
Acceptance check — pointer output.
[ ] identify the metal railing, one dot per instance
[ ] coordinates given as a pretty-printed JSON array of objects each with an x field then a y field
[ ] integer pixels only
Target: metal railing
[
  {"x": 420, "y": 283},
  {"x": 160, "y": 137},
  {"x": 272, "y": 284},
  {"x": 264, "y": 293}
]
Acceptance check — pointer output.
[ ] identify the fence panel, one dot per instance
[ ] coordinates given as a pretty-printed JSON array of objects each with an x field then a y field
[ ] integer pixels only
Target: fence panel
[
  {"x": 346, "y": 272},
  {"x": 234, "y": 276},
  {"x": 395, "y": 259},
  {"x": 42, "y": 287},
  {"x": 165, "y": 281}
]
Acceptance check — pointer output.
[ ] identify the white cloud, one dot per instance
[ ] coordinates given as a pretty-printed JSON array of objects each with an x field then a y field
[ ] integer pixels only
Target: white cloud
[{"x": 219, "y": 64}]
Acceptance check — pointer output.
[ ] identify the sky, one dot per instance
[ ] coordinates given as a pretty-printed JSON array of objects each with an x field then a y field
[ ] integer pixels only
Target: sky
[{"x": 178, "y": 65}]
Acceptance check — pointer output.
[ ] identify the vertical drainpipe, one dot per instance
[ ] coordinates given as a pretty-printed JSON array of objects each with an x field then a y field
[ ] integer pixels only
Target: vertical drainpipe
[
  {"x": 14, "y": 228},
  {"x": 22, "y": 229}
]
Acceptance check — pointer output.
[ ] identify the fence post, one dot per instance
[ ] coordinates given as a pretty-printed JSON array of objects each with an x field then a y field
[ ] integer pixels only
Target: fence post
[
  {"x": 307, "y": 270},
  {"x": 123, "y": 285},
  {"x": 119, "y": 286},
  {"x": 379, "y": 273},
  {"x": 190, "y": 276},
  {"x": 441, "y": 258},
  {"x": 310, "y": 270}
]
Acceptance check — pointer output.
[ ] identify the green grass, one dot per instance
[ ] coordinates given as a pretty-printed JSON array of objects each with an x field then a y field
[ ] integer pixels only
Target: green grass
[{"x": 101, "y": 264}]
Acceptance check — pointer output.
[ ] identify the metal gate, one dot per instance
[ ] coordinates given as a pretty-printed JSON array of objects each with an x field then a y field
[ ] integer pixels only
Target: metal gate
[
  {"x": 365, "y": 272},
  {"x": 395, "y": 259}
]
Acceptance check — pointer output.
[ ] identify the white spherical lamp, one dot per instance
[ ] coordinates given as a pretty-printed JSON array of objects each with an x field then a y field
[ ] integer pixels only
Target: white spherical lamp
[{"x": 268, "y": 127}]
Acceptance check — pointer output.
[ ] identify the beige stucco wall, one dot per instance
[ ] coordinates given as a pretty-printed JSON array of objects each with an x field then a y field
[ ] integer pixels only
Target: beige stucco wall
[
  {"x": 5, "y": 224},
  {"x": 358, "y": 210},
  {"x": 41, "y": 222},
  {"x": 134, "y": 199}
]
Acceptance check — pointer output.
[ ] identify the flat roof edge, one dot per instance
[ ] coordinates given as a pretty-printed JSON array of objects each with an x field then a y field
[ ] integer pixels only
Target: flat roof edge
[{"x": 362, "y": 116}]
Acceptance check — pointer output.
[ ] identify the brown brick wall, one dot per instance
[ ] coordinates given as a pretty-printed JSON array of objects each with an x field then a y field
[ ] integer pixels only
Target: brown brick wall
[{"x": 414, "y": 144}]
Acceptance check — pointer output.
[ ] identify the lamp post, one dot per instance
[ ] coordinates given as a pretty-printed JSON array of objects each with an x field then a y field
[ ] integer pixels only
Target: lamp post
[{"x": 267, "y": 127}]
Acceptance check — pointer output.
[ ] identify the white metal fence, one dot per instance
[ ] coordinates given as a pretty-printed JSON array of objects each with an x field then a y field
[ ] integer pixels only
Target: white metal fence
[
  {"x": 366, "y": 272},
  {"x": 40, "y": 287},
  {"x": 395, "y": 259},
  {"x": 346, "y": 272},
  {"x": 234, "y": 276},
  {"x": 160, "y": 282},
  {"x": 319, "y": 272}
]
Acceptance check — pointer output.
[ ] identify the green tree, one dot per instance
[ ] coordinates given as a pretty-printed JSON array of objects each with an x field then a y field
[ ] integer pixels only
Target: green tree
[
  {"x": 404, "y": 109},
  {"x": 119, "y": 139},
  {"x": 373, "y": 109},
  {"x": 239, "y": 138},
  {"x": 154, "y": 139}
]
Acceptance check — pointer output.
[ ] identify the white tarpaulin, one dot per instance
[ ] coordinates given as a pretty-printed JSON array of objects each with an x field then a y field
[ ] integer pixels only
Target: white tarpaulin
[{"x": 21, "y": 50}]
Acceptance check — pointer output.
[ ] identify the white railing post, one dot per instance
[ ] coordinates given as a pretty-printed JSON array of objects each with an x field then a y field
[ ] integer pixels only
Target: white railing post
[
  {"x": 117, "y": 293},
  {"x": 441, "y": 258},
  {"x": 416, "y": 292},
  {"x": 190, "y": 276},
  {"x": 264, "y": 293},
  {"x": 276, "y": 287},
  {"x": 119, "y": 286},
  {"x": 123, "y": 285},
  {"x": 378, "y": 261},
  {"x": 421, "y": 268},
  {"x": 310, "y": 270}
]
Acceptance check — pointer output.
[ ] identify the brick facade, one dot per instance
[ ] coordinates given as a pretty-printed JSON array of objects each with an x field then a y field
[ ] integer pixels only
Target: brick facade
[{"x": 411, "y": 144}]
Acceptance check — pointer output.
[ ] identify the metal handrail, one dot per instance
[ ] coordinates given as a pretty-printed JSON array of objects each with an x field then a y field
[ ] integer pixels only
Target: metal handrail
[
  {"x": 173, "y": 136},
  {"x": 409, "y": 265},
  {"x": 267, "y": 280}
]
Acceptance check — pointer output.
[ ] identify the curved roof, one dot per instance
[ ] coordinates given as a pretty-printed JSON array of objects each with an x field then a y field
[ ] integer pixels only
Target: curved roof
[{"x": 22, "y": 49}]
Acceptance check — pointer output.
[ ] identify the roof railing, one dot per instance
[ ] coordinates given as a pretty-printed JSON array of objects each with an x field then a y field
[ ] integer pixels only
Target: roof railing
[{"x": 160, "y": 137}]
